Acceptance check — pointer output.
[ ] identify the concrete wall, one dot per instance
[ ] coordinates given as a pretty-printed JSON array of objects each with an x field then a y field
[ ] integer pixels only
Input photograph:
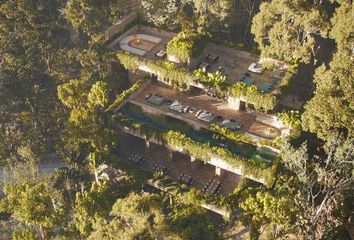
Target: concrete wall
[
  {"x": 234, "y": 102},
  {"x": 120, "y": 26}
]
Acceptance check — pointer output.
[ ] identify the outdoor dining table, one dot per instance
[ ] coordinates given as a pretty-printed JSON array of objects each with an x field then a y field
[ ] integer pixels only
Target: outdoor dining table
[
  {"x": 185, "y": 178},
  {"x": 135, "y": 158},
  {"x": 160, "y": 168},
  {"x": 213, "y": 186}
]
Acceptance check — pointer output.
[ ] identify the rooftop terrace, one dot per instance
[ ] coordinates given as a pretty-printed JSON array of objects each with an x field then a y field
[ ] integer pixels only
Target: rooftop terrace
[
  {"x": 159, "y": 39},
  {"x": 199, "y": 100},
  {"x": 151, "y": 43},
  {"x": 234, "y": 64}
]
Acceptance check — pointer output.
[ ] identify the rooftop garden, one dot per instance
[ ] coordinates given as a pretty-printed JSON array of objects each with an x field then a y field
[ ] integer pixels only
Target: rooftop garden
[
  {"x": 261, "y": 101},
  {"x": 180, "y": 79},
  {"x": 251, "y": 94},
  {"x": 186, "y": 44},
  {"x": 199, "y": 145}
]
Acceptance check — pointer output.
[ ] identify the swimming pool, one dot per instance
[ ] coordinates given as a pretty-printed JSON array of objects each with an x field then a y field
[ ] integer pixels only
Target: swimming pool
[{"x": 205, "y": 136}]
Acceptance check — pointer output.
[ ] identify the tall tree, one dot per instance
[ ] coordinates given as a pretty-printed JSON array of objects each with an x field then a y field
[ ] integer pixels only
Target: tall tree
[
  {"x": 30, "y": 31},
  {"x": 138, "y": 216},
  {"x": 161, "y": 13},
  {"x": 89, "y": 205},
  {"x": 332, "y": 109},
  {"x": 326, "y": 183},
  {"x": 191, "y": 222},
  {"x": 270, "y": 210},
  {"x": 94, "y": 16},
  {"x": 32, "y": 200},
  {"x": 287, "y": 30},
  {"x": 89, "y": 127},
  {"x": 145, "y": 216}
]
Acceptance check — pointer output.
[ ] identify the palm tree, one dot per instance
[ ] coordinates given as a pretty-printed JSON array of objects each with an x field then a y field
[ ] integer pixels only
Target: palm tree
[{"x": 98, "y": 171}]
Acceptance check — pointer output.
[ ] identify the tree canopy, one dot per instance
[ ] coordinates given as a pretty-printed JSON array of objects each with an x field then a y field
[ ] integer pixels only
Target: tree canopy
[
  {"x": 287, "y": 30},
  {"x": 331, "y": 109},
  {"x": 61, "y": 86}
]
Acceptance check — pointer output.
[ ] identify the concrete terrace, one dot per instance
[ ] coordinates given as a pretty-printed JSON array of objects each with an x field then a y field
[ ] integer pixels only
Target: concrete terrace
[
  {"x": 139, "y": 29},
  {"x": 179, "y": 163},
  {"x": 242, "y": 61},
  {"x": 200, "y": 100},
  {"x": 239, "y": 60}
]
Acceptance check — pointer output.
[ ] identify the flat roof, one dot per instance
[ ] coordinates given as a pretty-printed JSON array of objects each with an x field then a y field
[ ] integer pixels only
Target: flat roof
[
  {"x": 201, "y": 101},
  {"x": 234, "y": 64},
  {"x": 231, "y": 62},
  {"x": 163, "y": 38}
]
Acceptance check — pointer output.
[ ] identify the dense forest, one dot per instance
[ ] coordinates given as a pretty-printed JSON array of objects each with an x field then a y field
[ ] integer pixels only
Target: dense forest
[{"x": 58, "y": 80}]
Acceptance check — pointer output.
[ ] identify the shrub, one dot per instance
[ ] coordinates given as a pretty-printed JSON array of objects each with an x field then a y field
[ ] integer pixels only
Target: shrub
[
  {"x": 261, "y": 101},
  {"x": 129, "y": 61},
  {"x": 179, "y": 78},
  {"x": 186, "y": 44},
  {"x": 231, "y": 135},
  {"x": 124, "y": 95}
]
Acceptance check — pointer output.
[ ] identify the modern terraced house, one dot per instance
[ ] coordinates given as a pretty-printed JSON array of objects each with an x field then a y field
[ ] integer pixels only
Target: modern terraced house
[{"x": 209, "y": 102}]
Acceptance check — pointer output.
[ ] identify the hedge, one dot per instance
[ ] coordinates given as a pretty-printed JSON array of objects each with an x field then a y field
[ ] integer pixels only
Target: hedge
[
  {"x": 261, "y": 101},
  {"x": 179, "y": 78},
  {"x": 198, "y": 150},
  {"x": 124, "y": 95},
  {"x": 129, "y": 61},
  {"x": 186, "y": 44},
  {"x": 231, "y": 135},
  {"x": 239, "y": 137}
]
